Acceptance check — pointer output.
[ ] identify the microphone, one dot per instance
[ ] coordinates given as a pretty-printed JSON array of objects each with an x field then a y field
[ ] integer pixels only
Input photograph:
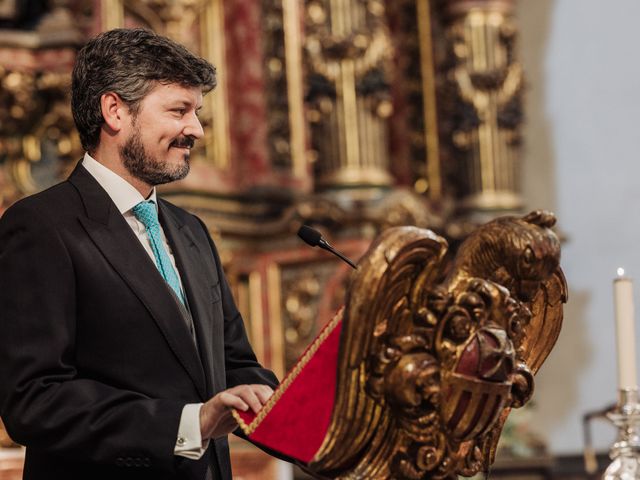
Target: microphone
[{"x": 313, "y": 237}]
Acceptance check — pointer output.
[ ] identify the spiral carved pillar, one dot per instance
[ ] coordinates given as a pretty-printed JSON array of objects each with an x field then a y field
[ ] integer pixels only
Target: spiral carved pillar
[
  {"x": 347, "y": 51},
  {"x": 483, "y": 100}
]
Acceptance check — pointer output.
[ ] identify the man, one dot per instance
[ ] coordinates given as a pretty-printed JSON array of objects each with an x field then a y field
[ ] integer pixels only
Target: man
[{"x": 121, "y": 349}]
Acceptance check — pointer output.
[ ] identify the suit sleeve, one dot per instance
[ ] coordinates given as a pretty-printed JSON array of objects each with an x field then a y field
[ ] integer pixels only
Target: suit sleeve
[
  {"x": 44, "y": 402},
  {"x": 241, "y": 365}
]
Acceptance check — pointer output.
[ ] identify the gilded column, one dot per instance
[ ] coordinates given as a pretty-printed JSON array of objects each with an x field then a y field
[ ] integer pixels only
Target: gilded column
[
  {"x": 347, "y": 51},
  {"x": 482, "y": 101}
]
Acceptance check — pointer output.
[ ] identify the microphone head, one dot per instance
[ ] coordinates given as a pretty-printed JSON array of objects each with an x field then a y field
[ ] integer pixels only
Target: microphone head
[{"x": 310, "y": 235}]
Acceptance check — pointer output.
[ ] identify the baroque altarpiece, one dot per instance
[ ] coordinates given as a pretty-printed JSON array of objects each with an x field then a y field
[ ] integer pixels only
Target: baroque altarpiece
[{"x": 348, "y": 115}]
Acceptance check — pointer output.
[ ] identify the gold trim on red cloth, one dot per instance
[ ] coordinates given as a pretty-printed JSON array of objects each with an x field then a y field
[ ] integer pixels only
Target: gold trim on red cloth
[{"x": 291, "y": 376}]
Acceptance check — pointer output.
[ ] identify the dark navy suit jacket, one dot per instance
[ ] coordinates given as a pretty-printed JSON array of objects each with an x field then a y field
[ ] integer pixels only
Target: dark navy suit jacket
[{"x": 96, "y": 362}]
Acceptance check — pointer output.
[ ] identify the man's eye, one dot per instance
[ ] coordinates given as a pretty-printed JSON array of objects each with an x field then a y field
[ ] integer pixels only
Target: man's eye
[{"x": 179, "y": 111}]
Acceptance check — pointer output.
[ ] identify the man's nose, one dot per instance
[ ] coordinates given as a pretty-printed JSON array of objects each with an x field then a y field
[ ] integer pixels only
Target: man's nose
[{"x": 193, "y": 127}]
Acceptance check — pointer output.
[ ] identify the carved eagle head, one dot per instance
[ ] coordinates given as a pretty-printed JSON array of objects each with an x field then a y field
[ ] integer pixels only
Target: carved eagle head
[{"x": 518, "y": 253}]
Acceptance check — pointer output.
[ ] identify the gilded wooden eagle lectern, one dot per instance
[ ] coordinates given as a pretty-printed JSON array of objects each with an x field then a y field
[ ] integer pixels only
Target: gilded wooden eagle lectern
[{"x": 415, "y": 376}]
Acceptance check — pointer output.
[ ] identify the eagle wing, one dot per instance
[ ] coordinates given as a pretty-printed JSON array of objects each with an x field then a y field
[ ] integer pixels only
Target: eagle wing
[{"x": 377, "y": 304}]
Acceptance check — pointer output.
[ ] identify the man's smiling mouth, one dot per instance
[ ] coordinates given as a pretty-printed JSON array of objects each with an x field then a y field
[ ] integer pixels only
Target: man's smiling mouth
[{"x": 183, "y": 142}]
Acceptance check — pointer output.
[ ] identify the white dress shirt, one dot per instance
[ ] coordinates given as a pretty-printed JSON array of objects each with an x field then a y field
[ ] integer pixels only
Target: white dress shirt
[{"x": 189, "y": 440}]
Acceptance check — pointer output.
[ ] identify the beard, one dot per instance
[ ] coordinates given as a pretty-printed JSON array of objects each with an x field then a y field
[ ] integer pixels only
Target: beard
[{"x": 148, "y": 168}]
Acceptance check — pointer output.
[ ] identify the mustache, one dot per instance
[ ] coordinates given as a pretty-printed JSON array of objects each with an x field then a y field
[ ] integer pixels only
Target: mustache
[{"x": 183, "y": 142}]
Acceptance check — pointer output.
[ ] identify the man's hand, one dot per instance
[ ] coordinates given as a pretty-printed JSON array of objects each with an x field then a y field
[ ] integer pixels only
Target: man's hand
[{"x": 215, "y": 415}]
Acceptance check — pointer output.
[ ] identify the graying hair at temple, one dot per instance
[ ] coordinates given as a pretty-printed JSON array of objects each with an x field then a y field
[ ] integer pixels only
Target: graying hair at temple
[{"x": 129, "y": 62}]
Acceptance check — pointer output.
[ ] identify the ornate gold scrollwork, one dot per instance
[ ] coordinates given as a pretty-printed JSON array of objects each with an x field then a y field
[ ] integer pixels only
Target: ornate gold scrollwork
[
  {"x": 38, "y": 142},
  {"x": 282, "y": 39},
  {"x": 482, "y": 95},
  {"x": 175, "y": 18},
  {"x": 433, "y": 357},
  {"x": 307, "y": 294},
  {"x": 347, "y": 49},
  {"x": 300, "y": 301},
  {"x": 36, "y": 154}
]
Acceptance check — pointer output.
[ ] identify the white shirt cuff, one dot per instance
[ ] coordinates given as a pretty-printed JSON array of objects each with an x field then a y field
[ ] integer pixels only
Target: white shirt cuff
[{"x": 189, "y": 443}]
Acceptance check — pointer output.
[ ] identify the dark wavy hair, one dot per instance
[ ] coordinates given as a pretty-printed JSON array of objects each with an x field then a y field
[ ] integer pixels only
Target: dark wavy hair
[{"x": 129, "y": 62}]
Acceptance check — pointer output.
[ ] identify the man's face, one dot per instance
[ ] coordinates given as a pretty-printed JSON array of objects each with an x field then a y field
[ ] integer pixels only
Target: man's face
[{"x": 160, "y": 136}]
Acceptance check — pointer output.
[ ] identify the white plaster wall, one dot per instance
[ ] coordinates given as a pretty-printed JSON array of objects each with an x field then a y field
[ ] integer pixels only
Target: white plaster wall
[{"x": 582, "y": 160}]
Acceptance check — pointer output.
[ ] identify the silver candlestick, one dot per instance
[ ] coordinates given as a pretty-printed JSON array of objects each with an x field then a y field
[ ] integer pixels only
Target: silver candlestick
[{"x": 625, "y": 452}]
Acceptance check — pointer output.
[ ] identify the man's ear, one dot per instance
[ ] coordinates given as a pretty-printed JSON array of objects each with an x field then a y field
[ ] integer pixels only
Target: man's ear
[{"x": 114, "y": 110}]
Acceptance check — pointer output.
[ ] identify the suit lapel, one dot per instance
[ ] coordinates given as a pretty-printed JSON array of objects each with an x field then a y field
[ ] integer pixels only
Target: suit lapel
[
  {"x": 194, "y": 280},
  {"x": 112, "y": 235}
]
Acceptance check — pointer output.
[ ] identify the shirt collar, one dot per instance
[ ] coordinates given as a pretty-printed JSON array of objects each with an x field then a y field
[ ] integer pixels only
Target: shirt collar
[{"x": 123, "y": 194}]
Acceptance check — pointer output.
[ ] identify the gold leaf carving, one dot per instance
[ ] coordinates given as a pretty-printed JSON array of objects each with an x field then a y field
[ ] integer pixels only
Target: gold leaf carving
[{"x": 434, "y": 355}]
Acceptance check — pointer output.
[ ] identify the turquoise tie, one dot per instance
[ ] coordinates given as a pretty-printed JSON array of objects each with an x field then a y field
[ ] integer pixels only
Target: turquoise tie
[{"x": 147, "y": 214}]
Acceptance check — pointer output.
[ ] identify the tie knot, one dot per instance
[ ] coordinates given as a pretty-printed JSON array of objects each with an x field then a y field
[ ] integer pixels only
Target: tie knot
[{"x": 146, "y": 213}]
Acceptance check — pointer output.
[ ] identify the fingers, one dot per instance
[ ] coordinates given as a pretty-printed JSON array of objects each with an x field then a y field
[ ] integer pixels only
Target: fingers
[
  {"x": 245, "y": 397},
  {"x": 215, "y": 415},
  {"x": 256, "y": 395},
  {"x": 230, "y": 399},
  {"x": 248, "y": 394},
  {"x": 263, "y": 392}
]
